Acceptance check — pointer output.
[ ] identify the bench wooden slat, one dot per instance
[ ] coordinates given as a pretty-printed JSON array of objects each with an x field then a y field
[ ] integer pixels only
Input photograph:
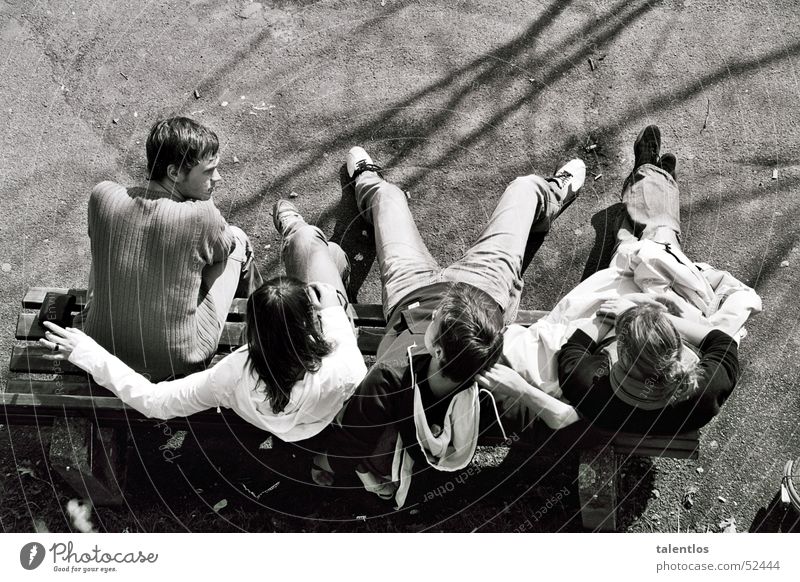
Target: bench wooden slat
[
  {"x": 40, "y": 400},
  {"x": 28, "y": 329},
  {"x": 365, "y": 314},
  {"x": 30, "y": 359}
]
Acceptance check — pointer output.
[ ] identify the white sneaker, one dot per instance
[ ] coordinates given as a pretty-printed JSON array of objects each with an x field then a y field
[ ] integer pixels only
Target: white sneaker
[
  {"x": 358, "y": 161},
  {"x": 570, "y": 177}
]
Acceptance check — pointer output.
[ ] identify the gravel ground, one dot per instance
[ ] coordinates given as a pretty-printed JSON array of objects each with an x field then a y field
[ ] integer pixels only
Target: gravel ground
[{"x": 455, "y": 99}]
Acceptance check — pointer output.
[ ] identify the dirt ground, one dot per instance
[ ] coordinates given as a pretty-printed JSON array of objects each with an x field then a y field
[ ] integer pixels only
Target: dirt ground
[{"x": 455, "y": 99}]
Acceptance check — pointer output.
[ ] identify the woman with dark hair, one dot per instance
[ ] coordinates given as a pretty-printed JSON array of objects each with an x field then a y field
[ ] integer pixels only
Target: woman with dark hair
[{"x": 300, "y": 364}]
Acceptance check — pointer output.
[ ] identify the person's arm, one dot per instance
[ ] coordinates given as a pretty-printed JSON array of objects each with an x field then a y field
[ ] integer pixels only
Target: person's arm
[
  {"x": 718, "y": 373},
  {"x": 691, "y": 331},
  {"x": 505, "y": 382},
  {"x": 164, "y": 400},
  {"x": 337, "y": 328},
  {"x": 219, "y": 241},
  {"x": 582, "y": 375},
  {"x": 719, "y": 363}
]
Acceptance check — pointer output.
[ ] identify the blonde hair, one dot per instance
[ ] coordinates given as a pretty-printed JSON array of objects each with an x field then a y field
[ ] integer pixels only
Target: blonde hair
[{"x": 648, "y": 343}]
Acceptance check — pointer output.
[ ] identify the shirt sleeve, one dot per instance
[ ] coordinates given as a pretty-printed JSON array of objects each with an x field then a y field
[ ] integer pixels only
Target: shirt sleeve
[
  {"x": 577, "y": 366},
  {"x": 719, "y": 366},
  {"x": 163, "y": 400},
  {"x": 219, "y": 241},
  {"x": 338, "y": 330}
]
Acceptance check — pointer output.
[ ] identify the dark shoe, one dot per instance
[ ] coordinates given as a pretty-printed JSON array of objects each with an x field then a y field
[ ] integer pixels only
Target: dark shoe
[
  {"x": 284, "y": 213},
  {"x": 667, "y": 162},
  {"x": 647, "y": 146}
]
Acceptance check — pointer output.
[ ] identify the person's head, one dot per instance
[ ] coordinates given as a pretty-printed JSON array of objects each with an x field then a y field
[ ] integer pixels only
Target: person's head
[
  {"x": 185, "y": 153},
  {"x": 466, "y": 333},
  {"x": 283, "y": 337},
  {"x": 650, "y": 349}
]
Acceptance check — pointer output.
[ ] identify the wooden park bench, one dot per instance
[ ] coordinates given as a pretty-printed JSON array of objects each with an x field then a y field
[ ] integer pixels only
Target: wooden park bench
[{"x": 90, "y": 427}]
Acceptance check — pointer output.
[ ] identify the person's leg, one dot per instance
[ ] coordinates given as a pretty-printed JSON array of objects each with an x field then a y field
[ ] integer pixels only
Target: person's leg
[
  {"x": 307, "y": 254},
  {"x": 529, "y": 204},
  {"x": 650, "y": 193},
  {"x": 224, "y": 278},
  {"x": 652, "y": 205},
  {"x": 404, "y": 261}
]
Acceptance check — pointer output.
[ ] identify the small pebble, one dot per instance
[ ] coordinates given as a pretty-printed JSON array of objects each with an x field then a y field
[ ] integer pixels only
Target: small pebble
[
  {"x": 578, "y": 232},
  {"x": 196, "y": 94},
  {"x": 361, "y": 517},
  {"x": 292, "y": 194},
  {"x": 235, "y": 160},
  {"x": 785, "y": 264},
  {"x": 775, "y": 174},
  {"x": 364, "y": 233},
  {"x": 136, "y": 114},
  {"x": 6, "y": 267},
  {"x": 722, "y": 499},
  {"x": 224, "y": 103},
  {"x": 115, "y": 121},
  {"x": 359, "y": 257},
  {"x": 656, "y": 493},
  {"x": 700, "y": 470},
  {"x": 242, "y": 97}
]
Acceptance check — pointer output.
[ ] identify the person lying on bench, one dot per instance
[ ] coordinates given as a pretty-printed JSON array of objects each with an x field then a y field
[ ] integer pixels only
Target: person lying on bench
[
  {"x": 418, "y": 406},
  {"x": 674, "y": 359},
  {"x": 165, "y": 265},
  {"x": 300, "y": 364}
]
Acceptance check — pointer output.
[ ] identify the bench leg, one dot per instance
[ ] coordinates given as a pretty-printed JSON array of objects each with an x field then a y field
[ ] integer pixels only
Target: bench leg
[
  {"x": 90, "y": 459},
  {"x": 597, "y": 487}
]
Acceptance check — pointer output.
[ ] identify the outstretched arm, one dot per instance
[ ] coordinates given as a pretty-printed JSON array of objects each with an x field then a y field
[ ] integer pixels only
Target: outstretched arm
[
  {"x": 505, "y": 382},
  {"x": 164, "y": 400}
]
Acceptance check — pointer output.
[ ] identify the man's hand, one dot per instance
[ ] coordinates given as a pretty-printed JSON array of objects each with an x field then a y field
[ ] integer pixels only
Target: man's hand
[
  {"x": 60, "y": 341},
  {"x": 503, "y": 381},
  {"x": 612, "y": 308},
  {"x": 322, "y": 295}
]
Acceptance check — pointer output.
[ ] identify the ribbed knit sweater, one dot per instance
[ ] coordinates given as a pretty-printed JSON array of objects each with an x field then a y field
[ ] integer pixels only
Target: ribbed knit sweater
[{"x": 147, "y": 302}]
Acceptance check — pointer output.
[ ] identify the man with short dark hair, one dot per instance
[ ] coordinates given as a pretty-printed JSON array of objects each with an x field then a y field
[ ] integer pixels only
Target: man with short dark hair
[
  {"x": 418, "y": 405},
  {"x": 165, "y": 263}
]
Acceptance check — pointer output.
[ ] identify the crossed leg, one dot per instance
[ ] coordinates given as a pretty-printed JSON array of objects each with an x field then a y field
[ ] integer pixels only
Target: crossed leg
[
  {"x": 310, "y": 257},
  {"x": 652, "y": 205}
]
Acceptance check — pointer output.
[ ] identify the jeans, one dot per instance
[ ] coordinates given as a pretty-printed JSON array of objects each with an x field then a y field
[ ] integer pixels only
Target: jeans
[
  {"x": 238, "y": 272},
  {"x": 309, "y": 256},
  {"x": 493, "y": 264},
  {"x": 652, "y": 204}
]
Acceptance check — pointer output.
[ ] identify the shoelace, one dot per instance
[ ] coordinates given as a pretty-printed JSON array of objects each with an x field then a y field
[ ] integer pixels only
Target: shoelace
[{"x": 362, "y": 166}]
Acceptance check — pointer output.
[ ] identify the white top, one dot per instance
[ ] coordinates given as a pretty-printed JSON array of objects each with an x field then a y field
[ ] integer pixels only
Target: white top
[{"x": 315, "y": 399}]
